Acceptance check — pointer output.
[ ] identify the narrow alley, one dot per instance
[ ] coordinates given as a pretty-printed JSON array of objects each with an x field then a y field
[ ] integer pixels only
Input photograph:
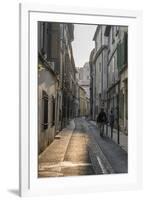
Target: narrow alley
[
  {"x": 79, "y": 150},
  {"x": 82, "y": 99}
]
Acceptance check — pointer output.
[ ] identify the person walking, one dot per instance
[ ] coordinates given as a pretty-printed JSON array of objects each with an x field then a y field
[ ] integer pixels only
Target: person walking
[
  {"x": 101, "y": 120},
  {"x": 111, "y": 122}
]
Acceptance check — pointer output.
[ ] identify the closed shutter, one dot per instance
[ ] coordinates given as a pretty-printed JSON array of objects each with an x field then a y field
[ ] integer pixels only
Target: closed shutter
[
  {"x": 122, "y": 53},
  {"x": 125, "y": 48},
  {"x": 53, "y": 117},
  {"x": 52, "y": 111},
  {"x": 45, "y": 110}
]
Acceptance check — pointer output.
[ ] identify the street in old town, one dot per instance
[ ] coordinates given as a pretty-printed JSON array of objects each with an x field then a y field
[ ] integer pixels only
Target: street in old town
[
  {"x": 82, "y": 99},
  {"x": 79, "y": 150}
]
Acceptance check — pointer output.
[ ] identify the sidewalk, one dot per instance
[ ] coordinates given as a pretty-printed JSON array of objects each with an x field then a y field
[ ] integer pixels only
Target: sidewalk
[
  {"x": 123, "y": 138},
  {"x": 50, "y": 160},
  {"x": 112, "y": 157}
]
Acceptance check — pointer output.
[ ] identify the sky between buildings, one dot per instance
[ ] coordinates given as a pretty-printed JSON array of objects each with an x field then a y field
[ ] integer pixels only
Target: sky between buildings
[{"x": 83, "y": 43}]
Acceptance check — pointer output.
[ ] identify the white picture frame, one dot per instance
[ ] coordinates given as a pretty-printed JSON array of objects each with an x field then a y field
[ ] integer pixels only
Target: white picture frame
[{"x": 30, "y": 185}]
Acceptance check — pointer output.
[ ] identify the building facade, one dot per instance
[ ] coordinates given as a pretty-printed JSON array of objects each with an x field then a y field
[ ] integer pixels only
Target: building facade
[
  {"x": 84, "y": 78},
  {"x": 92, "y": 86},
  {"x": 109, "y": 73},
  {"x": 98, "y": 67},
  {"x": 118, "y": 74},
  {"x": 83, "y": 103},
  {"x": 57, "y": 85},
  {"x": 69, "y": 83},
  {"x": 48, "y": 70}
]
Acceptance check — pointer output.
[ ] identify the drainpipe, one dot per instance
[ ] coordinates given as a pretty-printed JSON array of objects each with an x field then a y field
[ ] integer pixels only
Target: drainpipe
[
  {"x": 118, "y": 128},
  {"x": 107, "y": 94},
  {"x": 102, "y": 68}
]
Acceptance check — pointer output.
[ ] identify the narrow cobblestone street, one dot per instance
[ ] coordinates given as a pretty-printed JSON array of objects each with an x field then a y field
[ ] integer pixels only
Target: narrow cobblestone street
[{"x": 79, "y": 150}]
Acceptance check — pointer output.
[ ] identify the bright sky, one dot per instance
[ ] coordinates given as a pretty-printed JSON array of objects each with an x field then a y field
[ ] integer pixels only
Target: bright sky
[{"x": 83, "y": 43}]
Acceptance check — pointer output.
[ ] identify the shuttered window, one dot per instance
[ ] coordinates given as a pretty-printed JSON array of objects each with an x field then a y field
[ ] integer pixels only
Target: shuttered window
[
  {"x": 52, "y": 111},
  {"x": 122, "y": 53},
  {"x": 45, "y": 110},
  {"x": 53, "y": 118}
]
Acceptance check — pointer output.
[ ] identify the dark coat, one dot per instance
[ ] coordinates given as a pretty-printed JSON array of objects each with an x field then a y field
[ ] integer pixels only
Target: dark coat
[
  {"x": 111, "y": 119},
  {"x": 102, "y": 117}
]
